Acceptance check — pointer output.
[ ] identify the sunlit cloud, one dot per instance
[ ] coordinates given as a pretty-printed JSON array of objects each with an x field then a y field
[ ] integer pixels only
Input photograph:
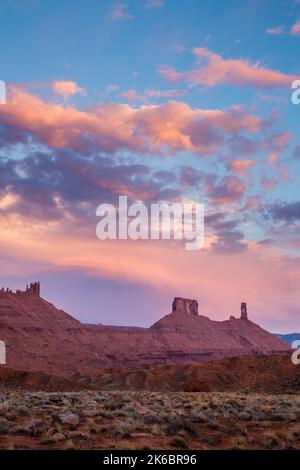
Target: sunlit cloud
[
  {"x": 110, "y": 127},
  {"x": 295, "y": 29},
  {"x": 212, "y": 69},
  {"x": 66, "y": 88}
]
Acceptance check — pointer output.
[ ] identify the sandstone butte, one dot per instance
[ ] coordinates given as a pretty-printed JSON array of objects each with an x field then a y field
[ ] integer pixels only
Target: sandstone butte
[{"x": 40, "y": 337}]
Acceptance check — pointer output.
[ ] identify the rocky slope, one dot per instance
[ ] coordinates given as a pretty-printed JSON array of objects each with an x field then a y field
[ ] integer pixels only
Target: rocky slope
[
  {"x": 259, "y": 374},
  {"x": 255, "y": 374},
  {"x": 38, "y": 336}
]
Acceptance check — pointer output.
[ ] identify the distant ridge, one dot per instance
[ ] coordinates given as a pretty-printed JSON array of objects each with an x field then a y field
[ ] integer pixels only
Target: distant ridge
[
  {"x": 40, "y": 337},
  {"x": 288, "y": 338}
]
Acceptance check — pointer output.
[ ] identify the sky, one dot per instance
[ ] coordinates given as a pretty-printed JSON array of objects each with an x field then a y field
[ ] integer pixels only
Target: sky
[{"x": 158, "y": 100}]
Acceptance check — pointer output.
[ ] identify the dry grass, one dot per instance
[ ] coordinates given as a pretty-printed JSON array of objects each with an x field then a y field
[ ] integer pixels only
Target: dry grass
[{"x": 147, "y": 420}]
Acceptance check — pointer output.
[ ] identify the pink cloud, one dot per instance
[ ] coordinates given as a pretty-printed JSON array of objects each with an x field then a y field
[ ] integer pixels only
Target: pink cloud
[
  {"x": 252, "y": 202},
  {"x": 131, "y": 96},
  {"x": 268, "y": 183},
  {"x": 295, "y": 29},
  {"x": 276, "y": 31},
  {"x": 212, "y": 69},
  {"x": 240, "y": 166},
  {"x": 66, "y": 88},
  {"x": 281, "y": 140},
  {"x": 109, "y": 127},
  {"x": 229, "y": 190}
]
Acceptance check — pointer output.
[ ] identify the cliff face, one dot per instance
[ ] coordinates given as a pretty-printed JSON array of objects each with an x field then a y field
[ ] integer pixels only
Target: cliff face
[{"x": 38, "y": 336}]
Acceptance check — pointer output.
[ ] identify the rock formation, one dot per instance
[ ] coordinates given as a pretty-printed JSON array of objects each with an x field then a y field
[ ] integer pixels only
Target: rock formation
[
  {"x": 244, "y": 315},
  {"x": 188, "y": 306},
  {"x": 38, "y": 336},
  {"x": 31, "y": 289}
]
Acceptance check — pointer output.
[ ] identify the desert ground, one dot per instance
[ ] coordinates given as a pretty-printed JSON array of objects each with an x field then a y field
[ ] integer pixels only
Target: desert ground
[{"x": 148, "y": 420}]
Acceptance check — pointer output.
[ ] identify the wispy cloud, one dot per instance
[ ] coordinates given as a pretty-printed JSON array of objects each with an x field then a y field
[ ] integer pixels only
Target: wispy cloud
[
  {"x": 154, "y": 4},
  {"x": 111, "y": 88},
  {"x": 120, "y": 12},
  {"x": 178, "y": 48},
  {"x": 132, "y": 96},
  {"x": 276, "y": 31},
  {"x": 173, "y": 93},
  {"x": 212, "y": 69}
]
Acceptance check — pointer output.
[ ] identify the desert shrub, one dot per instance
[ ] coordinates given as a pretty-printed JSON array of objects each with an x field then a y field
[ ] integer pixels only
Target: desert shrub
[
  {"x": 179, "y": 424},
  {"x": 245, "y": 390},
  {"x": 152, "y": 418},
  {"x": 233, "y": 403},
  {"x": 238, "y": 443},
  {"x": 296, "y": 432},
  {"x": 124, "y": 429},
  {"x": 179, "y": 442},
  {"x": 4, "y": 407},
  {"x": 156, "y": 430},
  {"x": 106, "y": 414},
  {"x": 200, "y": 417},
  {"x": 269, "y": 440}
]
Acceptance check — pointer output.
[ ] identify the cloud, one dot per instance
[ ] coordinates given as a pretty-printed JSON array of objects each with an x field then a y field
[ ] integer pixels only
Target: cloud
[
  {"x": 111, "y": 88},
  {"x": 242, "y": 145},
  {"x": 62, "y": 189},
  {"x": 190, "y": 177},
  {"x": 268, "y": 183},
  {"x": 296, "y": 153},
  {"x": 178, "y": 48},
  {"x": 281, "y": 140},
  {"x": 240, "y": 166},
  {"x": 62, "y": 185},
  {"x": 119, "y": 12},
  {"x": 132, "y": 96},
  {"x": 66, "y": 88},
  {"x": 229, "y": 239},
  {"x": 175, "y": 92},
  {"x": 212, "y": 69},
  {"x": 282, "y": 211},
  {"x": 276, "y": 31},
  {"x": 268, "y": 281},
  {"x": 154, "y": 4},
  {"x": 295, "y": 29},
  {"x": 110, "y": 127},
  {"x": 229, "y": 189}
]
